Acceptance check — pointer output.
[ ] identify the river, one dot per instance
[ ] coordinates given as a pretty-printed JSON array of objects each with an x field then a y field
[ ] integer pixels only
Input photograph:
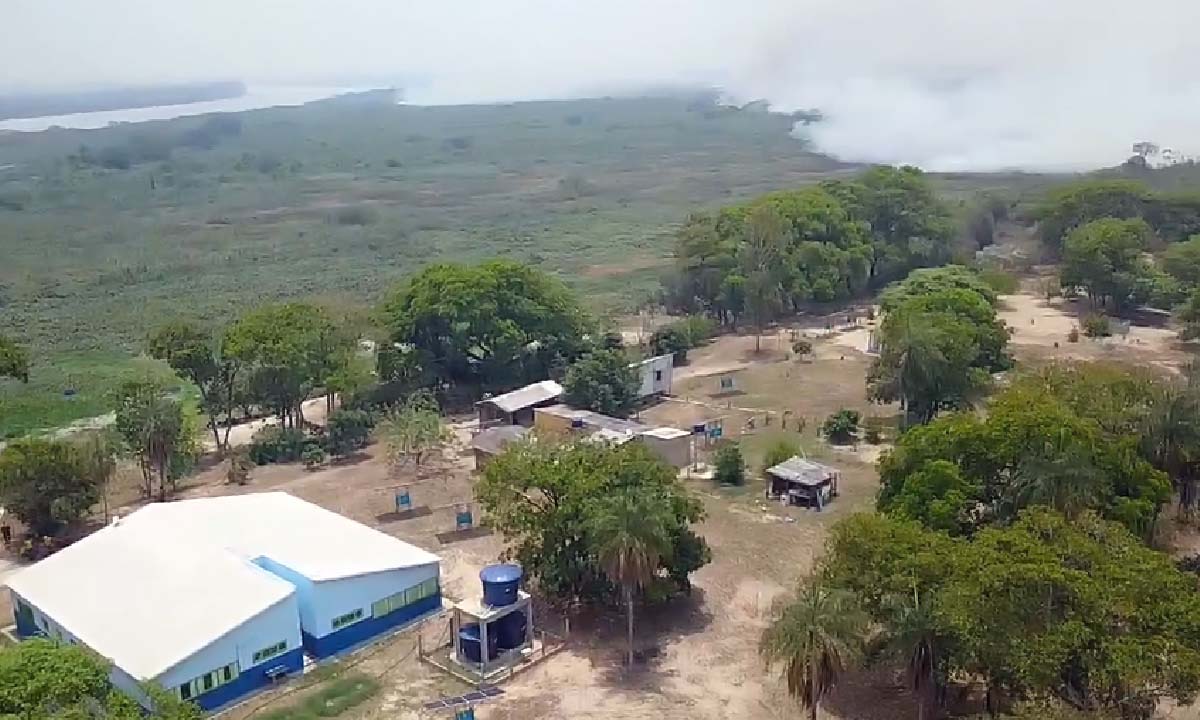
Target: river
[{"x": 256, "y": 97}]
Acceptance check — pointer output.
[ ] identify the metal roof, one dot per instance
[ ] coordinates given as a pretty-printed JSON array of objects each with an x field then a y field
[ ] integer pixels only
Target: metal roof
[
  {"x": 528, "y": 396},
  {"x": 493, "y": 440},
  {"x": 156, "y": 587},
  {"x": 596, "y": 421},
  {"x": 805, "y": 472}
]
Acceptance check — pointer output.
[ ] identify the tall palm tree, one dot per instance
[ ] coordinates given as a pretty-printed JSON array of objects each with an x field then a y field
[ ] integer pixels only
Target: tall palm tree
[
  {"x": 1171, "y": 439},
  {"x": 912, "y": 632},
  {"x": 629, "y": 534},
  {"x": 1063, "y": 477},
  {"x": 816, "y": 637}
]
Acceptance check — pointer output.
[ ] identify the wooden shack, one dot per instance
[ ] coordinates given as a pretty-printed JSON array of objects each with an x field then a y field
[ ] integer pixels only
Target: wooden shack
[{"x": 798, "y": 481}]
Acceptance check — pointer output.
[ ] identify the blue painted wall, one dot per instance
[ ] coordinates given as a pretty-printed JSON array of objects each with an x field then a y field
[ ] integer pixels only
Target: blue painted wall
[
  {"x": 363, "y": 630},
  {"x": 250, "y": 680},
  {"x": 304, "y": 589}
]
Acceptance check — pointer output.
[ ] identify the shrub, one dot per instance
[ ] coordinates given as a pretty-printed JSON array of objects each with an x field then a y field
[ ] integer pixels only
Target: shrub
[
  {"x": 1096, "y": 325},
  {"x": 779, "y": 452},
  {"x": 802, "y": 348},
  {"x": 348, "y": 430},
  {"x": 240, "y": 465},
  {"x": 313, "y": 456},
  {"x": 698, "y": 329},
  {"x": 274, "y": 444},
  {"x": 670, "y": 339},
  {"x": 730, "y": 467},
  {"x": 841, "y": 428}
]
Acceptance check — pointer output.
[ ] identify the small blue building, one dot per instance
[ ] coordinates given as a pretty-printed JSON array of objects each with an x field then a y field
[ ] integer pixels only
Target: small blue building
[{"x": 214, "y": 598}]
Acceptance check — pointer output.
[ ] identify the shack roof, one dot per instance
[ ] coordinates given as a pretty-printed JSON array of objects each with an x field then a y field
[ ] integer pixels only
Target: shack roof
[
  {"x": 803, "y": 472},
  {"x": 493, "y": 440},
  {"x": 528, "y": 396},
  {"x": 596, "y": 421}
]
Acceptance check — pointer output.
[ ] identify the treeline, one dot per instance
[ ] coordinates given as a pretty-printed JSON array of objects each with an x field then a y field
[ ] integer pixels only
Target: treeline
[
  {"x": 30, "y": 105},
  {"x": 149, "y": 146},
  {"x": 1110, "y": 237},
  {"x": 832, "y": 241}
]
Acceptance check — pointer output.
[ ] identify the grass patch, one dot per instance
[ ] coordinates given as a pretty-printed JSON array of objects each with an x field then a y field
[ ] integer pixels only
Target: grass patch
[
  {"x": 69, "y": 387},
  {"x": 330, "y": 700}
]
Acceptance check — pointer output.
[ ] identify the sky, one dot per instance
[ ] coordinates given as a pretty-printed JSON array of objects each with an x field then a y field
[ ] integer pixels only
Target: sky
[{"x": 948, "y": 85}]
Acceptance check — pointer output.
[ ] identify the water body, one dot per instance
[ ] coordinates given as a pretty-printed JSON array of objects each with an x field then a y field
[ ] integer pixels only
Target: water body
[{"x": 256, "y": 97}]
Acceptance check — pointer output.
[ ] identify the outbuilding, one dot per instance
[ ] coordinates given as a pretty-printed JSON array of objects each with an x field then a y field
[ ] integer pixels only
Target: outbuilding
[
  {"x": 516, "y": 407},
  {"x": 798, "y": 481},
  {"x": 213, "y": 598}
]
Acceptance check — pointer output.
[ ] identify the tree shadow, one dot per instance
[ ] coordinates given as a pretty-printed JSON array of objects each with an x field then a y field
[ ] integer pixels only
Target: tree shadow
[
  {"x": 354, "y": 458},
  {"x": 600, "y": 633},
  {"x": 875, "y": 693}
]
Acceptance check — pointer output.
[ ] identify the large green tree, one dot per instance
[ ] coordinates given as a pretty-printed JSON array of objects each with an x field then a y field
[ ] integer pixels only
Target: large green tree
[
  {"x": 937, "y": 349},
  {"x": 815, "y": 639},
  {"x": 1104, "y": 259},
  {"x": 289, "y": 350},
  {"x": 490, "y": 326},
  {"x": 1182, "y": 261},
  {"x": 157, "y": 430},
  {"x": 1042, "y": 607},
  {"x": 541, "y": 497},
  {"x": 45, "y": 680},
  {"x": 604, "y": 382},
  {"x": 1070, "y": 206},
  {"x": 43, "y": 483},
  {"x": 196, "y": 356},
  {"x": 14, "y": 360},
  {"x": 630, "y": 535}
]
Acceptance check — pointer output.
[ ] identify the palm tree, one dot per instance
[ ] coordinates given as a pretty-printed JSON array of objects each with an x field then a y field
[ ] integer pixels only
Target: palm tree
[
  {"x": 815, "y": 639},
  {"x": 1171, "y": 439},
  {"x": 629, "y": 536},
  {"x": 911, "y": 631},
  {"x": 1063, "y": 477}
]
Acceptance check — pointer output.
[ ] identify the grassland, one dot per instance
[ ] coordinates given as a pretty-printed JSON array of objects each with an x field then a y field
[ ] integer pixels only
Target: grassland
[{"x": 341, "y": 199}]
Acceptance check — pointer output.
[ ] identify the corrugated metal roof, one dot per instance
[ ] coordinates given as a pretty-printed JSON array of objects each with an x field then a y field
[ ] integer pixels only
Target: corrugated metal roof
[
  {"x": 493, "y": 440},
  {"x": 525, "y": 397},
  {"x": 596, "y": 421},
  {"x": 806, "y": 472},
  {"x": 168, "y": 580}
]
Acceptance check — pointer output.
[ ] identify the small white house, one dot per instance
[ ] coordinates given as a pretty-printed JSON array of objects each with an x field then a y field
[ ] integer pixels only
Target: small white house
[
  {"x": 213, "y": 598},
  {"x": 655, "y": 374}
]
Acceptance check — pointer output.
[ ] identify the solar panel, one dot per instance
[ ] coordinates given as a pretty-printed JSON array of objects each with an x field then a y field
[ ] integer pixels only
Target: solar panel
[{"x": 474, "y": 696}]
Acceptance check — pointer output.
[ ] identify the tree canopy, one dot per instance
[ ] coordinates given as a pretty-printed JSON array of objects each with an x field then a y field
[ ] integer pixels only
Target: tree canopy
[
  {"x": 158, "y": 430},
  {"x": 604, "y": 382},
  {"x": 195, "y": 355},
  {"x": 41, "y": 679},
  {"x": 44, "y": 483},
  {"x": 818, "y": 244},
  {"x": 544, "y": 497},
  {"x": 489, "y": 326},
  {"x": 1043, "y": 607},
  {"x": 939, "y": 343},
  {"x": 961, "y": 472},
  {"x": 1070, "y": 206},
  {"x": 1104, "y": 259}
]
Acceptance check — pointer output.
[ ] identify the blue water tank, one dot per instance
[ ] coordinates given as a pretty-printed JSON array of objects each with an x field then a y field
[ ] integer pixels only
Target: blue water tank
[
  {"x": 509, "y": 630},
  {"x": 468, "y": 643},
  {"x": 500, "y": 584}
]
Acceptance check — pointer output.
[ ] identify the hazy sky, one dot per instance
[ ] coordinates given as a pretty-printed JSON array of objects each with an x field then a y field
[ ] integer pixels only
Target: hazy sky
[{"x": 948, "y": 84}]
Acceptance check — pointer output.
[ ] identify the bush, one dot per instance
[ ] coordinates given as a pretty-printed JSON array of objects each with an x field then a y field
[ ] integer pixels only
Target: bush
[
  {"x": 841, "y": 428},
  {"x": 779, "y": 452},
  {"x": 348, "y": 430},
  {"x": 730, "y": 467},
  {"x": 698, "y": 329},
  {"x": 670, "y": 339},
  {"x": 313, "y": 456},
  {"x": 1096, "y": 325},
  {"x": 274, "y": 444},
  {"x": 802, "y": 348},
  {"x": 240, "y": 465}
]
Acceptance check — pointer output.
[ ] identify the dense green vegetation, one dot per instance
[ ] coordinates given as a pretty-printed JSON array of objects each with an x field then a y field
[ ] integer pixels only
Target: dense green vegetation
[
  {"x": 45, "y": 679},
  {"x": 782, "y": 251}
]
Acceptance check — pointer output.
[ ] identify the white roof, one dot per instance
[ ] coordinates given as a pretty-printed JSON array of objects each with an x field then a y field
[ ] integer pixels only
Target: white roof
[
  {"x": 527, "y": 396},
  {"x": 666, "y": 433},
  {"x": 168, "y": 580}
]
